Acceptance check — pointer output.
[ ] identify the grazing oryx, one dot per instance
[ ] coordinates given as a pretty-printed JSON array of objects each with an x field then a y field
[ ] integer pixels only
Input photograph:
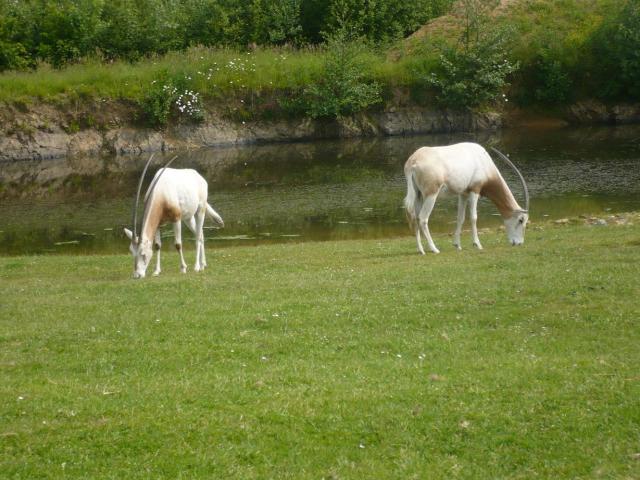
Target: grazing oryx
[
  {"x": 467, "y": 170},
  {"x": 173, "y": 196}
]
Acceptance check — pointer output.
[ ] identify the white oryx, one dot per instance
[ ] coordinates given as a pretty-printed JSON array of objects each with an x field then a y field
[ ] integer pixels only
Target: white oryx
[
  {"x": 174, "y": 195},
  {"x": 467, "y": 170}
]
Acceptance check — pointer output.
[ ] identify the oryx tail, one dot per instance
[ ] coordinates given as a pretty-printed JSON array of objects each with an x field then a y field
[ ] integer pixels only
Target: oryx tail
[
  {"x": 214, "y": 215},
  {"x": 413, "y": 200}
]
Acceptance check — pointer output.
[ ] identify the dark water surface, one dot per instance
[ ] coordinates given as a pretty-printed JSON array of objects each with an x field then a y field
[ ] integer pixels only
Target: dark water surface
[{"x": 311, "y": 191}]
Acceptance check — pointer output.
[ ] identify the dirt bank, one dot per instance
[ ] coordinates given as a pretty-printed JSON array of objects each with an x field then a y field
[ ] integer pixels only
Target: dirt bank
[{"x": 48, "y": 131}]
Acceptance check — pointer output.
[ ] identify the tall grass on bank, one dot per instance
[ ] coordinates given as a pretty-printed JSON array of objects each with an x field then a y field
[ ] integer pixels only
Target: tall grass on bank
[
  {"x": 212, "y": 70},
  {"x": 242, "y": 85},
  {"x": 354, "y": 359}
]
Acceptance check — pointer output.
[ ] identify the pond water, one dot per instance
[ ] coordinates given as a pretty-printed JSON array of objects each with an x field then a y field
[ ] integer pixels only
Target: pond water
[{"x": 318, "y": 190}]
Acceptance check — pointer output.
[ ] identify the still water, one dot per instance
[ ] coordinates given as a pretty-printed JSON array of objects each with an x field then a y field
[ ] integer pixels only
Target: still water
[{"x": 318, "y": 190}]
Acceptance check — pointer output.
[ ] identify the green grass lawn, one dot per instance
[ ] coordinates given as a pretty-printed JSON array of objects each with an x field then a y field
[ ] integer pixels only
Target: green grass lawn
[{"x": 354, "y": 359}]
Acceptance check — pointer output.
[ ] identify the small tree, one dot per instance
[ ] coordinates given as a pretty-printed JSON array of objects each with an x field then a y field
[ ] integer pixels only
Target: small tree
[
  {"x": 473, "y": 72},
  {"x": 616, "y": 45},
  {"x": 343, "y": 87}
]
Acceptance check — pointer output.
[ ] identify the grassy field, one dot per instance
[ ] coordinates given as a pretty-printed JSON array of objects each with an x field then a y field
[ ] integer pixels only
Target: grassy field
[{"x": 355, "y": 359}]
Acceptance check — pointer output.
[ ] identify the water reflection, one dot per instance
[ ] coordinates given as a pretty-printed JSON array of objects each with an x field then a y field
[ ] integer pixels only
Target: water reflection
[{"x": 310, "y": 191}]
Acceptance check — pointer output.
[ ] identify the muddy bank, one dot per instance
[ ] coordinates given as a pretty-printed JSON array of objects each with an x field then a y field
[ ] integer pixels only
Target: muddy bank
[{"x": 45, "y": 131}]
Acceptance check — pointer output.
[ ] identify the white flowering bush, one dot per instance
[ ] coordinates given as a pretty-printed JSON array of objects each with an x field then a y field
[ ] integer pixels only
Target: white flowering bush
[
  {"x": 188, "y": 104},
  {"x": 167, "y": 97}
]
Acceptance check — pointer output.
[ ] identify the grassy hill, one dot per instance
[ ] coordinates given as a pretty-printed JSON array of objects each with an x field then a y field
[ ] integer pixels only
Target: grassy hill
[{"x": 560, "y": 51}]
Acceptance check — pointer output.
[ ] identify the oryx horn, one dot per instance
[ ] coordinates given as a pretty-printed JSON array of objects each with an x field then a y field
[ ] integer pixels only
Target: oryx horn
[
  {"x": 524, "y": 184},
  {"x": 154, "y": 182},
  {"x": 135, "y": 204},
  {"x": 150, "y": 190}
]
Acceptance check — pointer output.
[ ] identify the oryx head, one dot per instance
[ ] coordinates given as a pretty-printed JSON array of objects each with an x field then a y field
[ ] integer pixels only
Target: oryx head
[
  {"x": 141, "y": 247},
  {"x": 516, "y": 224},
  {"x": 141, "y": 251}
]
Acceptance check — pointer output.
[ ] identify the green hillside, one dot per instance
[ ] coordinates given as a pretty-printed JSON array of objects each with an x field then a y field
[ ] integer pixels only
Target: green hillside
[{"x": 542, "y": 53}]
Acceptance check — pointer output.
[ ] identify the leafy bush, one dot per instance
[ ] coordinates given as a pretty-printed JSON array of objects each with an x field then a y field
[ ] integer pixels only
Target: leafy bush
[
  {"x": 475, "y": 74},
  {"x": 343, "y": 87},
  {"x": 551, "y": 80},
  {"x": 616, "y": 45},
  {"x": 13, "y": 56},
  {"x": 379, "y": 20}
]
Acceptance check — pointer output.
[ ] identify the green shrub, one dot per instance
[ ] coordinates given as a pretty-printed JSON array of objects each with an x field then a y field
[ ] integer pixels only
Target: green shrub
[
  {"x": 473, "y": 75},
  {"x": 616, "y": 46},
  {"x": 472, "y": 72},
  {"x": 343, "y": 87},
  {"x": 13, "y": 56},
  {"x": 380, "y": 20},
  {"x": 551, "y": 79}
]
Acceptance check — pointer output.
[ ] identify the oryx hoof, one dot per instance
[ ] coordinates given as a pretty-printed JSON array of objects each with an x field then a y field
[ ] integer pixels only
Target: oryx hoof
[
  {"x": 457, "y": 246},
  {"x": 183, "y": 269},
  {"x": 435, "y": 250},
  {"x": 477, "y": 245},
  {"x": 156, "y": 273}
]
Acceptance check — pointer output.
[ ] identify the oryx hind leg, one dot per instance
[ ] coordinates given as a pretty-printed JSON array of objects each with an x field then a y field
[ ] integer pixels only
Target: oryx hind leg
[
  {"x": 192, "y": 224},
  {"x": 473, "y": 213},
  {"x": 177, "y": 231},
  {"x": 416, "y": 223},
  {"x": 462, "y": 206},
  {"x": 156, "y": 246},
  {"x": 200, "y": 263},
  {"x": 423, "y": 219}
]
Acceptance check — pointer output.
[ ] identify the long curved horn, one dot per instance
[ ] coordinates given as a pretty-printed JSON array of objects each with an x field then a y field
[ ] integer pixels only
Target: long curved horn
[
  {"x": 134, "y": 220},
  {"x": 524, "y": 184},
  {"x": 155, "y": 181}
]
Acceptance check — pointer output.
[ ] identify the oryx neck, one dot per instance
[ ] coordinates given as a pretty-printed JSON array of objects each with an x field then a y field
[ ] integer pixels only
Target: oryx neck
[
  {"x": 152, "y": 217},
  {"x": 497, "y": 190}
]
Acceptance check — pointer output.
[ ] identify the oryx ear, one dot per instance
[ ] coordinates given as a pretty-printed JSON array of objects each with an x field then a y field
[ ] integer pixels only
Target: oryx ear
[{"x": 128, "y": 233}]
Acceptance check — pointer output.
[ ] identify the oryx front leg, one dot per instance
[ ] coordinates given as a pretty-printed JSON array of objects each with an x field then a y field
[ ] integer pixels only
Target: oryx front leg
[
  {"x": 177, "y": 231},
  {"x": 473, "y": 213},
  {"x": 462, "y": 206},
  {"x": 423, "y": 221},
  {"x": 156, "y": 246}
]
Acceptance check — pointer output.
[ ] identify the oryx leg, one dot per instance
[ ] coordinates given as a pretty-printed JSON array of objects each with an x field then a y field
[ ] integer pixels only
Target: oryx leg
[
  {"x": 194, "y": 228},
  {"x": 423, "y": 219},
  {"x": 417, "y": 207},
  {"x": 462, "y": 206},
  {"x": 200, "y": 264},
  {"x": 156, "y": 246},
  {"x": 177, "y": 232},
  {"x": 473, "y": 213}
]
